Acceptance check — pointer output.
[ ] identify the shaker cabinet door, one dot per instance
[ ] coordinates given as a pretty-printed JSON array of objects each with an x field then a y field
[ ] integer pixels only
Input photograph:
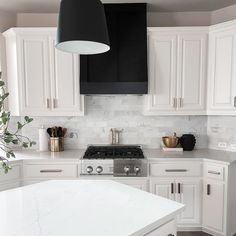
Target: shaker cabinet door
[
  {"x": 189, "y": 193},
  {"x": 192, "y": 62},
  {"x": 213, "y": 205},
  {"x": 222, "y": 72},
  {"x": 162, "y": 72},
  {"x": 163, "y": 188},
  {"x": 34, "y": 73},
  {"x": 66, "y": 98}
]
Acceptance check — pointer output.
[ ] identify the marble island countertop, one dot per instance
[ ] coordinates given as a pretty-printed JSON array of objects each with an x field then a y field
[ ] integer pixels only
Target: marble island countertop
[
  {"x": 82, "y": 207},
  {"x": 150, "y": 154}
]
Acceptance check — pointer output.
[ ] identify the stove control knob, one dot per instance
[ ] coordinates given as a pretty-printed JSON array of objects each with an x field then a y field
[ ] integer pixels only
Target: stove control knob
[
  {"x": 127, "y": 169},
  {"x": 89, "y": 169},
  {"x": 137, "y": 170},
  {"x": 99, "y": 169}
]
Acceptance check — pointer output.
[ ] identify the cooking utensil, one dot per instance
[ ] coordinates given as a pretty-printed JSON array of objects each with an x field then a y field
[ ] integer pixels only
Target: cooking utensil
[
  {"x": 49, "y": 131},
  {"x": 64, "y": 131},
  {"x": 171, "y": 141}
]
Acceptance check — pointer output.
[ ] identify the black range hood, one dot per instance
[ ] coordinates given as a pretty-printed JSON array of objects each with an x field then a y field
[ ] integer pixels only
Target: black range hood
[{"x": 123, "y": 69}]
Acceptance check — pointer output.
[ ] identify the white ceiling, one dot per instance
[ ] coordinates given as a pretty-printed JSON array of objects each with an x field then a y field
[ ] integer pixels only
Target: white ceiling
[{"x": 52, "y": 6}]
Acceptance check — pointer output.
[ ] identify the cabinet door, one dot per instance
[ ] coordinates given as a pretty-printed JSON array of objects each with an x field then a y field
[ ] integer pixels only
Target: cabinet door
[
  {"x": 162, "y": 72},
  {"x": 189, "y": 193},
  {"x": 163, "y": 188},
  {"x": 168, "y": 229},
  {"x": 192, "y": 59},
  {"x": 213, "y": 205},
  {"x": 66, "y": 99},
  {"x": 34, "y": 74},
  {"x": 222, "y": 71},
  {"x": 139, "y": 184}
]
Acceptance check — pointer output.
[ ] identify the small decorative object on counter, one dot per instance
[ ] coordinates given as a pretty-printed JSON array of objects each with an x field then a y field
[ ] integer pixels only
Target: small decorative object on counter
[
  {"x": 56, "y": 142},
  {"x": 171, "y": 141},
  {"x": 188, "y": 142},
  {"x": 43, "y": 140}
]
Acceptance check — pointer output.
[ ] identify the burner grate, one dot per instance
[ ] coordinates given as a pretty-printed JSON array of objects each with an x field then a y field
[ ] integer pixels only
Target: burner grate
[{"x": 113, "y": 152}]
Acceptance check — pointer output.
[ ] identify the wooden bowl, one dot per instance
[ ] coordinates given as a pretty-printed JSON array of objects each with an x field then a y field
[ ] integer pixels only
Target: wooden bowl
[{"x": 170, "y": 141}]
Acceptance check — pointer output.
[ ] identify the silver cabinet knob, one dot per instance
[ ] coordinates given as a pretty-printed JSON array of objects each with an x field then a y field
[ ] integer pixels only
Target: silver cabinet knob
[
  {"x": 89, "y": 169},
  {"x": 126, "y": 169},
  {"x": 137, "y": 169},
  {"x": 99, "y": 169}
]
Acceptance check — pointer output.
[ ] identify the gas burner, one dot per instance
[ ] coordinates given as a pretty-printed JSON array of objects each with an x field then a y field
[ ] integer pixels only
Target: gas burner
[
  {"x": 114, "y": 152},
  {"x": 127, "y": 161}
]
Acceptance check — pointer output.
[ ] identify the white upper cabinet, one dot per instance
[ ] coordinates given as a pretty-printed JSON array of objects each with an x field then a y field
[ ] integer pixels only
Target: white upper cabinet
[
  {"x": 177, "y": 71},
  {"x": 222, "y": 69},
  {"x": 65, "y": 91},
  {"x": 42, "y": 81},
  {"x": 162, "y": 71},
  {"x": 192, "y": 61}
]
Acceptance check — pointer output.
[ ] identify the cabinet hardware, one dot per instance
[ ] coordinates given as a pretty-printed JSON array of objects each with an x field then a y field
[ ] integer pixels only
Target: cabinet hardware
[
  {"x": 171, "y": 235},
  {"x": 180, "y": 102},
  {"x": 179, "y": 188},
  {"x": 234, "y": 101},
  {"x": 213, "y": 172},
  {"x": 54, "y": 102},
  {"x": 51, "y": 171},
  {"x": 208, "y": 189},
  {"x": 176, "y": 170},
  {"x": 174, "y": 103},
  {"x": 172, "y": 188},
  {"x": 48, "y": 103}
]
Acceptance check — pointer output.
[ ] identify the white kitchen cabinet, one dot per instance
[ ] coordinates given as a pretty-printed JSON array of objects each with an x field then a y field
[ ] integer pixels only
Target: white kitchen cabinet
[
  {"x": 12, "y": 179},
  {"x": 189, "y": 193},
  {"x": 184, "y": 191},
  {"x": 222, "y": 69},
  {"x": 141, "y": 184},
  {"x": 42, "y": 81},
  {"x": 177, "y": 71},
  {"x": 168, "y": 229},
  {"x": 213, "y": 205},
  {"x": 163, "y": 188},
  {"x": 162, "y": 71}
]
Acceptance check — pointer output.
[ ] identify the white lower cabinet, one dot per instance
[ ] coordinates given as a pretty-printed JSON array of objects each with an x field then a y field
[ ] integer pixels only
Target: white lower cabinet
[
  {"x": 12, "y": 179},
  {"x": 189, "y": 193},
  {"x": 136, "y": 183},
  {"x": 168, "y": 229},
  {"x": 213, "y": 205},
  {"x": 184, "y": 191}
]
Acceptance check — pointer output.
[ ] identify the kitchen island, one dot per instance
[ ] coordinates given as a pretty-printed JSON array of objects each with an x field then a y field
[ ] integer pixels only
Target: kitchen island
[{"x": 85, "y": 208}]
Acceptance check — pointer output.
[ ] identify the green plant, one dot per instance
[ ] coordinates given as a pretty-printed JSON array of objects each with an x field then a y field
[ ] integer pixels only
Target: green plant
[{"x": 7, "y": 138}]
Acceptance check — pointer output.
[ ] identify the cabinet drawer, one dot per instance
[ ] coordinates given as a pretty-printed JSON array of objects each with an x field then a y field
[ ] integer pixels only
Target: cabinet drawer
[
  {"x": 49, "y": 171},
  {"x": 214, "y": 171},
  {"x": 175, "y": 169},
  {"x": 13, "y": 174},
  {"x": 165, "y": 230}
]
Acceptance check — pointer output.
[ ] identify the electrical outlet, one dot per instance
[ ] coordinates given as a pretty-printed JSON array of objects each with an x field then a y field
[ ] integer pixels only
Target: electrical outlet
[
  {"x": 233, "y": 146},
  {"x": 222, "y": 145}
]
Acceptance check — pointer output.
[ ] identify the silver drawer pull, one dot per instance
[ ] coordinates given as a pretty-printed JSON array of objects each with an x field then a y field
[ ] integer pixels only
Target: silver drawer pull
[
  {"x": 213, "y": 172},
  {"x": 234, "y": 101},
  {"x": 50, "y": 171},
  {"x": 176, "y": 170}
]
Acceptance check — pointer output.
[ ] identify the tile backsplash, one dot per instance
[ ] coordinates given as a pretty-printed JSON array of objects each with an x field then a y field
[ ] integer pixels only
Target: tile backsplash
[
  {"x": 222, "y": 132},
  {"x": 121, "y": 112}
]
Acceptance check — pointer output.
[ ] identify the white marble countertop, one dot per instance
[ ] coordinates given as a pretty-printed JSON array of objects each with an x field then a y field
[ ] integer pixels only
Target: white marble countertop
[
  {"x": 67, "y": 155},
  {"x": 200, "y": 154},
  {"x": 82, "y": 208},
  {"x": 150, "y": 154}
]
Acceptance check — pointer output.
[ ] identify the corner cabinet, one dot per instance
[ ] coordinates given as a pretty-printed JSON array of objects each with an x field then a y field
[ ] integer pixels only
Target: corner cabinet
[
  {"x": 222, "y": 69},
  {"x": 42, "y": 80},
  {"x": 177, "y": 71}
]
